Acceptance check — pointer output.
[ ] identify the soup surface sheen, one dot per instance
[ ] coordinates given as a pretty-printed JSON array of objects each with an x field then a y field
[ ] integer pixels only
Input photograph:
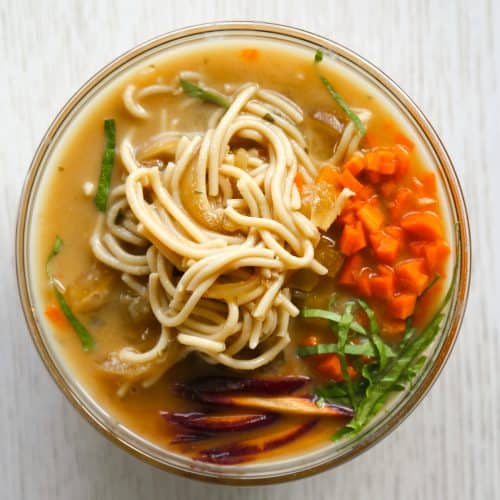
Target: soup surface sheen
[{"x": 68, "y": 211}]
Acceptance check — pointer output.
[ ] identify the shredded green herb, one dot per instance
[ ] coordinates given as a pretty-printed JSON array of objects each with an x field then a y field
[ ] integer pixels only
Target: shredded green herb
[
  {"x": 378, "y": 343},
  {"x": 318, "y": 56},
  {"x": 108, "y": 158},
  {"x": 331, "y": 316},
  {"x": 85, "y": 338},
  {"x": 348, "y": 111},
  {"x": 381, "y": 386},
  {"x": 401, "y": 370},
  {"x": 392, "y": 369},
  {"x": 363, "y": 349},
  {"x": 343, "y": 331},
  {"x": 194, "y": 90},
  {"x": 432, "y": 282}
]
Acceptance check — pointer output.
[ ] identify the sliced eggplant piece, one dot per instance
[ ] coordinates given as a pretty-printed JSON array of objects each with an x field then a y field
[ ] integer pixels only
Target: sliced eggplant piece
[
  {"x": 219, "y": 423},
  {"x": 260, "y": 386},
  {"x": 243, "y": 451},
  {"x": 279, "y": 404}
]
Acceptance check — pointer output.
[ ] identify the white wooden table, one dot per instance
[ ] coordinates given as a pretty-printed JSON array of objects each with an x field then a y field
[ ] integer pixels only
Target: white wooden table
[{"x": 446, "y": 55}]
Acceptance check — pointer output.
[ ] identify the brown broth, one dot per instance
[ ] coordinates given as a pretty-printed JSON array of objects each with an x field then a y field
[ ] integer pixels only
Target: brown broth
[{"x": 67, "y": 212}]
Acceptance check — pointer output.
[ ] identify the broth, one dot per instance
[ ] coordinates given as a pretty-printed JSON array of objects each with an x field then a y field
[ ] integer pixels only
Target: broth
[{"x": 66, "y": 211}]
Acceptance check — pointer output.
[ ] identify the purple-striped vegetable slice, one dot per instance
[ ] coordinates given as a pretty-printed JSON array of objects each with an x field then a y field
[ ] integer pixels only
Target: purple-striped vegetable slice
[
  {"x": 280, "y": 404},
  {"x": 257, "y": 386},
  {"x": 246, "y": 450},
  {"x": 206, "y": 422}
]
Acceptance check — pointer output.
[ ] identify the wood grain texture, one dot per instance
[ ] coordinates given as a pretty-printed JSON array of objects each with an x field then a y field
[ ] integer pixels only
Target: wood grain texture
[{"x": 446, "y": 55}]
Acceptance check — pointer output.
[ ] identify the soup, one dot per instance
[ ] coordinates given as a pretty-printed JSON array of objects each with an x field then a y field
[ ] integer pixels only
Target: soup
[{"x": 242, "y": 252}]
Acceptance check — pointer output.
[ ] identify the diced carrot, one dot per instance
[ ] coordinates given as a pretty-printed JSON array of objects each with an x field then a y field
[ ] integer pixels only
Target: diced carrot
[
  {"x": 363, "y": 283},
  {"x": 352, "y": 239},
  {"x": 382, "y": 284},
  {"x": 371, "y": 216},
  {"x": 329, "y": 175},
  {"x": 416, "y": 185},
  {"x": 347, "y": 217},
  {"x": 330, "y": 367},
  {"x": 435, "y": 253},
  {"x": 403, "y": 161},
  {"x": 422, "y": 225},
  {"x": 387, "y": 162},
  {"x": 373, "y": 177},
  {"x": 411, "y": 276},
  {"x": 368, "y": 192},
  {"x": 249, "y": 54},
  {"x": 401, "y": 306},
  {"x": 349, "y": 181},
  {"x": 417, "y": 248},
  {"x": 386, "y": 247},
  {"x": 396, "y": 232},
  {"x": 353, "y": 203},
  {"x": 350, "y": 270},
  {"x": 392, "y": 329},
  {"x": 428, "y": 179},
  {"x": 299, "y": 181},
  {"x": 310, "y": 341},
  {"x": 355, "y": 164},
  {"x": 404, "y": 201},
  {"x": 55, "y": 315},
  {"x": 404, "y": 141},
  {"x": 388, "y": 188}
]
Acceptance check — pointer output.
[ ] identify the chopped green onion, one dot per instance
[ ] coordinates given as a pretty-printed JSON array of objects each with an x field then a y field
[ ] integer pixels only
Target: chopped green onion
[
  {"x": 364, "y": 349},
  {"x": 331, "y": 316},
  {"x": 433, "y": 281},
  {"x": 343, "y": 330},
  {"x": 55, "y": 250},
  {"x": 194, "y": 90},
  {"x": 348, "y": 111},
  {"x": 377, "y": 342},
  {"x": 85, "y": 338},
  {"x": 318, "y": 56},
  {"x": 108, "y": 157}
]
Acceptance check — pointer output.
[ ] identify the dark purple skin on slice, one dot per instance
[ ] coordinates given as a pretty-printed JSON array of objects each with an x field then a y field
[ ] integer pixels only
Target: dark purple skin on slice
[
  {"x": 257, "y": 386},
  {"x": 242, "y": 451},
  {"x": 219, "y": 423}
]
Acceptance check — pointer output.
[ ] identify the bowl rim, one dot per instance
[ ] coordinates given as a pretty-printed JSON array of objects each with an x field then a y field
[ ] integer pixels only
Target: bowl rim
[{"x": 444, "y": 163}]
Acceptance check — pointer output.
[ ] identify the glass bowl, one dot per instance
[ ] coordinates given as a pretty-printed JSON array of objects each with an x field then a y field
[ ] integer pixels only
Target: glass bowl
[{"x": 280, "y": 469}]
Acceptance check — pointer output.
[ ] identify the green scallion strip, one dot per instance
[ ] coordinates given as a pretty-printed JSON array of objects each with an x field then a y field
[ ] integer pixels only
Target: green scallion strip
[
  {"x": 377, "y": 342},
  {"x": 108, "y": 158},
  {"x": 331, "y": 316},
  {"x": 194, "y": 90},
  {"x": 433, "y": 281},
  {"x": 343, "y": 330},
  {"x": 85, "y": 338},
  {"x": 348, "y": 111},
  {"x": 318, "y": 56},
  {"x": 364, "y": 349}
]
